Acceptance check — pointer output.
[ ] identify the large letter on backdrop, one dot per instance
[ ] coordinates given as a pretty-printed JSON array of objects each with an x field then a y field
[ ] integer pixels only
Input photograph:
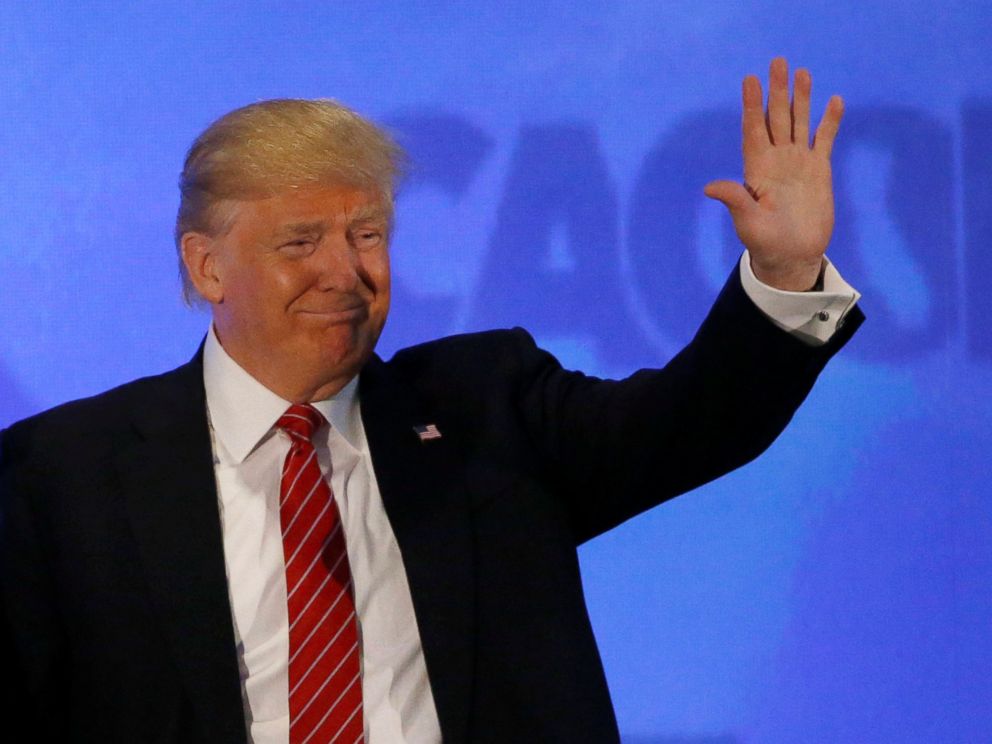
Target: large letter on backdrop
[
  {"x": 895, "y": 236},
  {"x": 978, "y": 227},
  {"x": 553, "y": 261},
  {"x": 667, "y": 252}
]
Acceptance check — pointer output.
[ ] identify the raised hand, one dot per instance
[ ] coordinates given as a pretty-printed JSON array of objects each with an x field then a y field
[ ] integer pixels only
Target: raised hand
[{"x": 784, "y": 211}]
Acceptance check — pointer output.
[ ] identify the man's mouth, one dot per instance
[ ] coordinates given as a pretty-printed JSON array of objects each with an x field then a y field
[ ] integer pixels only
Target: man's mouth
[{"x": 345, "y": 314}]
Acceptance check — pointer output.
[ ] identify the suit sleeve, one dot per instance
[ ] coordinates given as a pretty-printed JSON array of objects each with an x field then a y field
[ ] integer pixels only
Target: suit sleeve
[
  {"x": 616, "y": 448},
  {"x": 31, "y": 639}
]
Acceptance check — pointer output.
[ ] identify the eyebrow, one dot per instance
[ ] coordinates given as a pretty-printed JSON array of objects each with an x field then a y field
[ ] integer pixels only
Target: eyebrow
[
  {"x": 367, "y": 213},
  {"x": 316, "y": 227},
  {"x": 371, "y": 212}
]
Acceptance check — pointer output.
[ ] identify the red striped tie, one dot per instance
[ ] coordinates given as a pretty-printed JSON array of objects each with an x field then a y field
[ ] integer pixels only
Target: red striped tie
[{"x": 325, "y": 685}]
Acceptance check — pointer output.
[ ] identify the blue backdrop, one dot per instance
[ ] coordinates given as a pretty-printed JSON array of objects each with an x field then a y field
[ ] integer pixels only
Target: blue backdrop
[{"x": 838, "y": 590}]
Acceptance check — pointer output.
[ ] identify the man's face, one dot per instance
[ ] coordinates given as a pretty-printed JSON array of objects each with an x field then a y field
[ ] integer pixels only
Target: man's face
[{"x": 303, "y": 287}]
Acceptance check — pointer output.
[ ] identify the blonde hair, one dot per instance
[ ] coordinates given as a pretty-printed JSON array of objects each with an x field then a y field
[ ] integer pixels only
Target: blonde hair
[{"x": 268, "y": 147}]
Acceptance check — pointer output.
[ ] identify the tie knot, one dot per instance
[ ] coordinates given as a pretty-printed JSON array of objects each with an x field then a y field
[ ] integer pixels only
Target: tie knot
[{"x": 300, "y": 421}]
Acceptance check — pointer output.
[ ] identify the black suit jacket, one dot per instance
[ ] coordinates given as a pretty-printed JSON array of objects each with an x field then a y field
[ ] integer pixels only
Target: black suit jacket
[{"x": 115, "y": 603}]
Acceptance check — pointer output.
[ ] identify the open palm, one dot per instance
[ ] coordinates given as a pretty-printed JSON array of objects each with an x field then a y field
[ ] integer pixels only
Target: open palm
[{"x": 784, "y": 210}]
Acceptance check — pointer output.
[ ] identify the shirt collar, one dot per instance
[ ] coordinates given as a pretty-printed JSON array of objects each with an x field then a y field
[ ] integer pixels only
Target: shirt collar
[{"x": 243, "y": 411}]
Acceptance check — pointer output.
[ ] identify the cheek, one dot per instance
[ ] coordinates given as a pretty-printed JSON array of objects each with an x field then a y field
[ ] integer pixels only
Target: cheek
[
  {"x": 288, "y": 285},
  {"x": 272, "y": 289}
]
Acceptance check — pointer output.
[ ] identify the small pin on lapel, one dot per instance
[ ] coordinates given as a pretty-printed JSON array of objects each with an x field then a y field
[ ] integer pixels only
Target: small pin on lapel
[{"x": 427, "y": 431}]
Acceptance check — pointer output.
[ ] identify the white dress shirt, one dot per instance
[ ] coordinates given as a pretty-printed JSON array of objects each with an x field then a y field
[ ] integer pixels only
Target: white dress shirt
[{"x": 248, "y": 457}]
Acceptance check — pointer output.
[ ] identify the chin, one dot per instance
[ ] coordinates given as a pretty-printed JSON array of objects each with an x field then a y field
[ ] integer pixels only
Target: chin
[{"x": 338, "y": 356}]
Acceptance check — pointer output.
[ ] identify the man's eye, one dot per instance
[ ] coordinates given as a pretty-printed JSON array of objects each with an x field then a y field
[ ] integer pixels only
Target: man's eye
[
  {"x": 367, "y": 238},
  {"x": 298, "y": 247}
]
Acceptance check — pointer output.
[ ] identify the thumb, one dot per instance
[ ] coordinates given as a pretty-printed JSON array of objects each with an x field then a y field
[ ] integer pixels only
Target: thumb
[{"x": 733, "y": 195}]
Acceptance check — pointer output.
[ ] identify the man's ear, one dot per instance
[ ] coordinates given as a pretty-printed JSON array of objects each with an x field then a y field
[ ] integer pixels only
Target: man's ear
[{"x": 199, "y": 252}]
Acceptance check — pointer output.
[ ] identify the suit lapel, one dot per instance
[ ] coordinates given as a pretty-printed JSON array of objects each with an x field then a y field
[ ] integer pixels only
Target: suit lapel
[
  {"x": 427, "y": 507},
  {"x": 170, "y": 492}
]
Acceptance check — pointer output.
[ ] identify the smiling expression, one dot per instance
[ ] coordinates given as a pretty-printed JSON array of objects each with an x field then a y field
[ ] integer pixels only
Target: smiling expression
[{"x": 300, "y": 287}]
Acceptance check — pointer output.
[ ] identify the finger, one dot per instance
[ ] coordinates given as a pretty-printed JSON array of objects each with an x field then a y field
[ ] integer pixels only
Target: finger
[
  {"x": 823, "y": 142},
  {"x": 732, "y": 194},
  {"x": 800, "y": 107},
  {"x": 753, "y": 130},
  {"x": 779, "y": 115}
]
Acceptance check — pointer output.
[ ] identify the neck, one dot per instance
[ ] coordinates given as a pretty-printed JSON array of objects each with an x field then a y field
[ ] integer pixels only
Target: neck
[
  {"x": 305, "y": 392},
  {"x": 292, "y": 381}
]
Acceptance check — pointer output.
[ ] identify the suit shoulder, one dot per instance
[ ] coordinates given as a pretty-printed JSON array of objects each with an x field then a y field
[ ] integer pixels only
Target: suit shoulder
[
  {"x": 495, "y": 354},
  {"x": 481, "y": 346},
  {"x": 88, "y": 422}
]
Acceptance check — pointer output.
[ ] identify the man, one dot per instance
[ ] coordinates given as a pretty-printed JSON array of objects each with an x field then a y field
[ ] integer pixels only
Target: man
[{"x": 288, "y": 539}]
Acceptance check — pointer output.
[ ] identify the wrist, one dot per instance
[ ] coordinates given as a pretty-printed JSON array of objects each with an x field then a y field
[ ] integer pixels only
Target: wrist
[{"x": 795, "y": 276}]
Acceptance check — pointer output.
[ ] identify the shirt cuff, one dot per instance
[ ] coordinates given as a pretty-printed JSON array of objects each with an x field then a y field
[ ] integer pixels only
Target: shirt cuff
[{"x": 812, "y": 317}]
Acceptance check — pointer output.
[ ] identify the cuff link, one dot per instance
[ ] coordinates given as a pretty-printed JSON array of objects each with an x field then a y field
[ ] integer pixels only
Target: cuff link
[{"x": 823, "y": 316}]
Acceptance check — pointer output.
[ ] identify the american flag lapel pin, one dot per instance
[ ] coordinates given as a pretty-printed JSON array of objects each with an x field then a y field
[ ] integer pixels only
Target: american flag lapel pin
[{"x": 426, "y": 432}]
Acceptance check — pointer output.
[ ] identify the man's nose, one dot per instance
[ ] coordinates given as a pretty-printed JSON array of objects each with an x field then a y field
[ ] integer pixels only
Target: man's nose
[{"x": 337, "y": 265}]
